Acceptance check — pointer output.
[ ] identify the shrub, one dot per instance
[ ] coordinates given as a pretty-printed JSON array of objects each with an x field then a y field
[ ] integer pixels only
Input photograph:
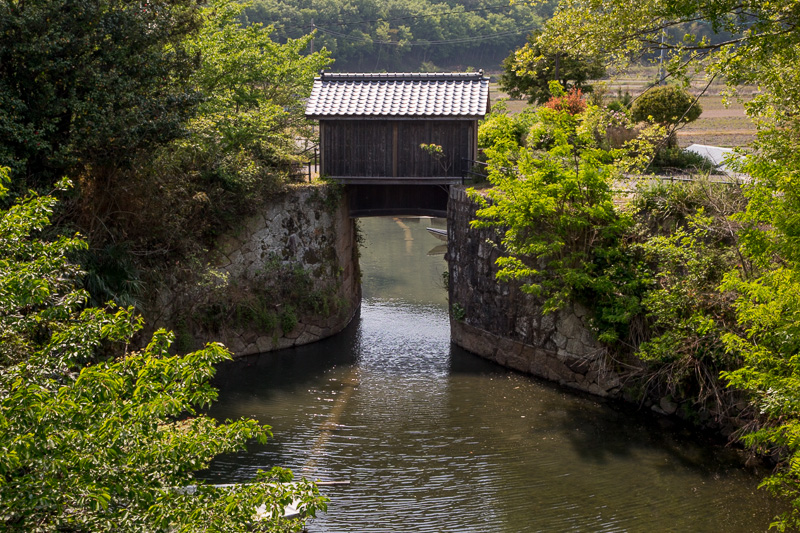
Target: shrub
[
  {"x": 666, "y": 105},
  {"x": 675, "y": 158},
  {"x": 288, "y": 319},
  {"x": 573, "y": 102},
  {"x": 622, "y": 102},
  {"x": 499, "y": 125}
]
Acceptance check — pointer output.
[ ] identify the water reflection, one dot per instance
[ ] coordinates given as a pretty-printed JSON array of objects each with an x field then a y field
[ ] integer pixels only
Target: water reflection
[{"x": 436, "y": 439}]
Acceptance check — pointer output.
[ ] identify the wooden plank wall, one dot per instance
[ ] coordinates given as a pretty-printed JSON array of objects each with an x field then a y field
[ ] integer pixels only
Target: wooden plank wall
[
  {"x": 358, "y": 148},
  {"x": 383, "y": 148},
  {"x": 452, "y": 136}
]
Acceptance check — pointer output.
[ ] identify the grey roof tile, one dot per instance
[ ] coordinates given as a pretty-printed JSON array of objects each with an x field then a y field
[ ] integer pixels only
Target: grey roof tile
[{"x": 455, "y": 94}]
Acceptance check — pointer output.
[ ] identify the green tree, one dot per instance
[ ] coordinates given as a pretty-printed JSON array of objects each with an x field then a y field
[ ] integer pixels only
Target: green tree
[
  {"x": 666, "y": 105},
  {"x": 238, "y": 149},
  {"x": 762, "y": 50},
  {"x": 96, "y": 436},
  {"x": 552, "y": 203},
  {"x": 768, "y": 309},
  {"x": 405, "y": 34},
  {"x": 669, "y": 106},
  {"x": 88, "y": 85},
  {"x": 254, "y": 89},
  {"x": 243, "y": 69},
  {"x": 528, "y": 71}
]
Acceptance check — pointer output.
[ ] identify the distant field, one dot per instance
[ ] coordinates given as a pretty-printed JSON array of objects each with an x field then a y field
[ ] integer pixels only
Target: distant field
[{"x": 717, "y": 126}]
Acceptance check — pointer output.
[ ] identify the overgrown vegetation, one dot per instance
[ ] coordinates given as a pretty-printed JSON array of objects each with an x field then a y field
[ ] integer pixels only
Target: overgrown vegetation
[
  {"x": 173, "y": 120},
  {"x": 272, "y": 301},
  {"x": 649, "y": 268},
  {"x": 667, "y": 105},
  {"x": 97, "y": 436},
  {"x": 182, "y": 123},
  {"x": 711, "y": 280}
]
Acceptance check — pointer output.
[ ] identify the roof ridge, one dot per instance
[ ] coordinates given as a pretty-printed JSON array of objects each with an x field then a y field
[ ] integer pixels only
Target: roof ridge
[{"x": 400, "y": 76}]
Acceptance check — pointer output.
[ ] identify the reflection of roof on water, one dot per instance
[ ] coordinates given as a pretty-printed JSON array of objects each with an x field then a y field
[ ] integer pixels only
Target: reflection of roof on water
[
  {"x": 438, "y": 250},
  {"x": 440, "y": 234}
]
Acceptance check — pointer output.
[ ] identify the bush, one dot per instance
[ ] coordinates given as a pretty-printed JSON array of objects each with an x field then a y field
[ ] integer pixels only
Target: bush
[
  {"x": 573, "y": 102},
  {"x": 500, "y": 125},
  {"x": 622, "y": 102},
  {"x": 610, "y": 129},
  {"x": 666, "y": 105},
  {"x": 674, "y": 158}
]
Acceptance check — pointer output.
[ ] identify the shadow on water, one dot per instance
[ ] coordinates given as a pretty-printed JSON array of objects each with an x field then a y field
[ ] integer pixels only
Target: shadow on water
[
  {"x": 267, "y": 373},
  {"x": 433, "y": 438},
  {"x": 585, "y": 424}
]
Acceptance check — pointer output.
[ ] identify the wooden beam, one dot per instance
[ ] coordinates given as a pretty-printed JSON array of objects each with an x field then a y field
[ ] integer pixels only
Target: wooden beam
[
  {"x": 394, "y": 149},
  {"x": 400, "y": 180},
  {"x": 322, "y": 154}
]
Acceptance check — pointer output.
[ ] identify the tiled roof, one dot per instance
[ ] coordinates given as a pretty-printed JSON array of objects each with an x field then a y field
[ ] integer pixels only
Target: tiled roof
[{"x": 454, "y": 94}]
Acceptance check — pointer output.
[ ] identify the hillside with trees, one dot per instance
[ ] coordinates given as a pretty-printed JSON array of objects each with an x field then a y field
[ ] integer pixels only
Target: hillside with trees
[{"x": 405, "y": 35}]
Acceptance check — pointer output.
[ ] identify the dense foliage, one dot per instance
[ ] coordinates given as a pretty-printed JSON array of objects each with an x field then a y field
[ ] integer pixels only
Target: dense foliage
[
  {"x": 90, "y": 84},
  {"x": 528, "y": 71},
  {"x": 231, "y": 141},
  {"x": 727, "y": 288},
  {"x": 761, "y": 49},
  {"x": 240, "y": 146},
  {"x": 172, "y": 119},
  {"x": 668, "y": 105},
  {"x": 649, "y": 273},
  {"x": 552, "y": 200},
  {"x": 96, "y": 436},
  {"x": 405, "y": 35}
]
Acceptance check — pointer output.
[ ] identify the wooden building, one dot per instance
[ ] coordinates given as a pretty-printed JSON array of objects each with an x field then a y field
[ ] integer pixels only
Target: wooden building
[{"x": 372, "y": 125}]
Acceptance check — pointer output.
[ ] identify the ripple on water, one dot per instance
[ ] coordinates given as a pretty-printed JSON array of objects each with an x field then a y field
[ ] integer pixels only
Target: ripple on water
[{"x": 433, "y": 439}]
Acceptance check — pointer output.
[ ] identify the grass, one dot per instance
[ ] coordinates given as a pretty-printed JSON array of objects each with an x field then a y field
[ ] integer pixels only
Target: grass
[{"x": 719, "y": 125}]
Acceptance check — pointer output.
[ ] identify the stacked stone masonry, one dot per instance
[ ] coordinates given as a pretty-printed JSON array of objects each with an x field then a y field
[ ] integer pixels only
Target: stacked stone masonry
[
  {"x": 301, "y": 229},
  {"x": 308, "y": 228},
  {"x": 500, "y": 322}
]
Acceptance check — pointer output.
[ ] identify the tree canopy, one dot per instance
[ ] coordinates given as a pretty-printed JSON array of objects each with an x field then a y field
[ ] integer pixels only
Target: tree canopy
[
  {"x": 756, "y": 43},
  {"x": 405, "y": 35},
  {"x": 169, "y": 131},
  {"x": 527, "y": 71},
  {"x": 91, "y": 83},
  {"x": 97, "y": 436},
  {"x": 760, "y": 48}
]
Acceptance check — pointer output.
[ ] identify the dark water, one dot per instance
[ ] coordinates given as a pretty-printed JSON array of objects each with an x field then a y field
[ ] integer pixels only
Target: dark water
[{"x": 432, "y": 438}]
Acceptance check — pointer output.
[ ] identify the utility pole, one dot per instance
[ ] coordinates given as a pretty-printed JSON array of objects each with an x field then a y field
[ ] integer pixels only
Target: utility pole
[
  {"x": 661, "y": 73},
  {"x": 312, "y": 39}
]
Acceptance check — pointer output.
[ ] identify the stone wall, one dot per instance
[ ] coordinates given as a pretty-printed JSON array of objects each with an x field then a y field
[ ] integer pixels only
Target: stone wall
[
  {"x": 500, "y": 322},
  {"x": 243, "y": 298}
]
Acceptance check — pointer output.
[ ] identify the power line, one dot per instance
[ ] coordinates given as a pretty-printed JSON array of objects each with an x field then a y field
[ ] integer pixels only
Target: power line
[
  {"x": 426, "y": 15},
  {"x": 429, "y": 43}
]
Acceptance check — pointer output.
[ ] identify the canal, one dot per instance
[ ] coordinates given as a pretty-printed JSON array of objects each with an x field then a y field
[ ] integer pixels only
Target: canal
[{"x": 432, "y": 438}]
